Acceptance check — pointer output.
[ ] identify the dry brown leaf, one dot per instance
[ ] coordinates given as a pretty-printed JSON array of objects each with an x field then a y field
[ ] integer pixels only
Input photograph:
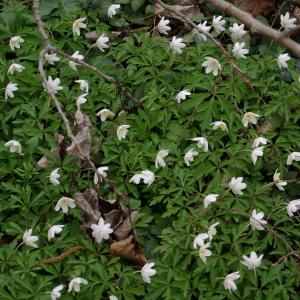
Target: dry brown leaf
[
  {"x": 128, "y": 249},
  {"x": 113, "y": 217},
  {"x": 126, "y": 226},
  {"x": 257, "y": 7}
]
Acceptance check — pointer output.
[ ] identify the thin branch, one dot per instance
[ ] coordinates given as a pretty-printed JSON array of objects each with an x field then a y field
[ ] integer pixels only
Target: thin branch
[
  {"x": 179, "y": 16},
  {"x": 255, "y": 26}
]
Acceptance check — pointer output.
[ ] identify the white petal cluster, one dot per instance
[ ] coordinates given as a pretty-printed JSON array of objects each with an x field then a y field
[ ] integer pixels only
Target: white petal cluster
[
  {"x": 292, "y": 207},
  {"x": 237, "y": 31},
  {"x": 256, "y": 152},
  {"x": 253, "y": 261},
  {"x": 73, "y": 64},
  {"x": 56, "y": 292},
  {"x": 257, "y": 220},
  {"x": 204, "y": 29},
  {"x": 147, "y": 176},
  {"x": 259, "y": 141},
  {"x": 218, "y": 24},
  {"x": 294, "y": 156},
  {"x": 104, "y": 114},
  {"x": 236, "y": 185},
  {"x": 176, "y": 45},
  {"x": 51, "y": 58},
  {"x": 122, "y": 131},
  {"x": 101, "y": 42},
  {"x": 29, "y": 239},
  {"x": 54, "y": 177},
  {"x": 219, "y": 125},
  {"x": 239, "y": 50},
  {"x": 83, "y": 85},
  {"x": 15, "y": 42},
  {"x": 278, "y": 182},
  {"x": 229, "y": 281},
  {"x": 189, "y": 156},
  {"x": 74, "y": 284},
  {"x": 14, "y": 146},
  {"x": 211, "y": 65},
  {"x": 147, "y": 272},
  {"x": 210, "y": 199},
  {"x": 101, "y": 171},
  {"x": 64, "y": 203},
  {"x": 163, "y": 27},
  {"x": 53, "y": 85},
  {"x": 282, "y": 60},
  {"x": 77, "y": 25},
  {"x": 250, "y": 118},
  {"x": 10, "y": 89},
  {"x": 101, "y": 231},
  {"x": 53, "y": 230},
  {"x": 15, "y": 68},
  {"x": 159, "y": 160},
  {"x": 112, "y": 10},
  {"x": 202, "y": 143},
  {"x": 286, "y": 22},
  {"x": 204, "y": 252},
  {"x": 182, "y": 95}
]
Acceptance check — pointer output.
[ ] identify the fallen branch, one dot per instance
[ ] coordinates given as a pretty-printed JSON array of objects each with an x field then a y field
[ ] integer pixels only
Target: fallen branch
[
  {"x": 257, "y": 27},
  {"x": 58, "y": 258}
]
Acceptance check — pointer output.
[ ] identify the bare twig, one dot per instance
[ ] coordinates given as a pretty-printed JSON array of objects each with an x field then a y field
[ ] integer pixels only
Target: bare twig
[{"x": 257, "y": 27}]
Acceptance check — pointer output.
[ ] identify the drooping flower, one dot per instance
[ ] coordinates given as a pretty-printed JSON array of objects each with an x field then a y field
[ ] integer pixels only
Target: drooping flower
[
  {"x": 122, "y": 131},
  {"x": 53, "y": 230},
  {"x": 237, "y": 31},
  {"x": 278, "y": 182},
  {"x": 210, "y": 199},
  {"x": 292, "y": 207},
  {"x": 147, "y": 272},
  {"x": 239, "y": 50},
  {"x": 54, "y": 177},
  {"x": 236, "y": 185},
  {"x": 259, "y": 151},
  {"x": 253, "y": 261},
  {"x": 102, "y": 172},
  {"x": 73, "y": 64},
  {"x": 15, "y": 42},
  {"x": 293, "y": 156},
  {"x": 159, "y": 160},
  {"x": 259, "y": 141},
  {"x": 112, "y": 10},
  {"x": 212, "y": 231},
  {"x": 211, "y": 65},
  {"x": 29, "y": 239},
  {"x": 286, "y": 22},
  {"x": 282, "y": 59},
  {"x": 200, "y": 240},
  {"x": 229, "y": 281},
  {"x": 177, "y": 45},
  {"x": 14, "y": 146},
  {"x": 250, "y": 117},
  {"x": 10, "y": 89},
  {"x": 104, "y": 114},
  {"x": 77, "y": 25},
  {"x": 74, "y": 284},
  {"x": 205, "y": 29},
  {"x": 53, "y": 85},
  {"x": 202, "y": 143},
  {"x": 148, "y": 177},
  {"x": 257, "y": 220},
  {"x": 101, "y": 42},
  {"x": 163, "y": 27},
  {"x": 136, "y": 178},
  {"x": 101, "y": 231},
  {"x": 15, "y": 68},
  {"x": 83, "y": 85},
  {"x": 189, "y": 156},
  {"x": 218, "y": 24},
  {"x": 219, "y": 125},
  {"x": 56, "y": 292},
  {"x": 51, "y": 58},
  {"x": 64, "y": 203},
  {"x": 204, "y": 252},
  {"x": 182, "y": 95},
  {"x": 81, "y": 100}
]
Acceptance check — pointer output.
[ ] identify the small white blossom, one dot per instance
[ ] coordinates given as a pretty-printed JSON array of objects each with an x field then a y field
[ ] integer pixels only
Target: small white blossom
[
  {"x": 237, "y": 31},
  {"x": 53, "y": 230},
  {"x": 200, "y": 240},
  {"x": 53, "y": 85},
  {"x": 211, "y": 65},
  {"x": 56, "y": 292},
  {"x": 14, "y": 146},
  {"x": 177, "y": 45},
  {"x": 218, "y": 24},
  {"x": 229, "y": 281},
  {"x": 212, "y": 231},
  {"x": 219, "y": 125},
  {"x": 205, "y": 29},
  {"x": 83, "y": 85},
  {"x": 54, "y": 177},
  {"x": 101, "y": 42},
  {"x": 77, "y": 25},
  {"x": 286, "y": 22},
  {"x": 15, "y": 68},
  {"x": 293, "y": 156},
  {"x": 29, "y": 239},
  {"x": 112, "y": 10},
  {"x": 257, "y": 220},
  {"x": 10, "y": 89},
  {"x": 210, "y": 199},
  {"x": 202, "y": 143},
  {"x": 239, "y": 50},
  {"x": 204, "y": 252},
  {"x": 136, "y": 179},
  {"x": 122, "y": 131},
  {"x": 147, "y": 272},
  {"x": 253, "y": 261},
  {"x": 75, "y": 283},
  {"x": 182, "y": 95},
  {"x": 73, "y": 64},
  {"x": 15, "y": 42},
  {"x": 113, "y": 297},
  {"x": 259, "y": 151},
  {"x": 159, "y": 160},
  {"x": 51, "y": 58},
  {"x": 259, "y": 141},
  {"x": 236, "y": 185},
  {"x": 282, "y": 59},
  {"x": 102, "y": 172},
  {"x": 101, "y": 231},
  {"x": 163, "y": 27},
  {"x": 292, "y": 207},
  {"x": 64, "y": 203},
  {"x": 189, "y": 156},
  {"x": 278, "y": 182},
  {"x": 81, "y": 100},
  {"x": 250, "y": 117},
  {"x": 104, "y": 114},
  {"x": 148, "y": 177}
]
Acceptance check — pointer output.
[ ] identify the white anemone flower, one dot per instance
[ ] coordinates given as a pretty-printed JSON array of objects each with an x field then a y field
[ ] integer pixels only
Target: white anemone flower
[
  {"x": 147, "y": 272},
  {"x": 211, "y": 65}
]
